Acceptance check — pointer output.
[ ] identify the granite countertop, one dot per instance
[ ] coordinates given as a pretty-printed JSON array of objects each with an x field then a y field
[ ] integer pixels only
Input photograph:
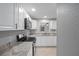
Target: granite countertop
[{"x": 20, "y": 49}]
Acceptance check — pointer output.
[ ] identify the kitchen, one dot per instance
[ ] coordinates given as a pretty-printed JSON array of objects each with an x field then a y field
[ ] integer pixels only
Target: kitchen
[{"x": 28, "y": 29}]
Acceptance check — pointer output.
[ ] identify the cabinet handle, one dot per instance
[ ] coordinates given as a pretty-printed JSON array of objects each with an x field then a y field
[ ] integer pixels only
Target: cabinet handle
[{"x": 16, "y": 26}]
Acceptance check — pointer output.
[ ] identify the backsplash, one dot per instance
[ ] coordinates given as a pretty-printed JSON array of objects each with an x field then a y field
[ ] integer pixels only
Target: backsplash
[{"x": 7, "y": 47}]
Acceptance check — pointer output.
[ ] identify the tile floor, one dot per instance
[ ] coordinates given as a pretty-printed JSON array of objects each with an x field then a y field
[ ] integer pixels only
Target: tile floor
[{"x": 46, "y": 51}]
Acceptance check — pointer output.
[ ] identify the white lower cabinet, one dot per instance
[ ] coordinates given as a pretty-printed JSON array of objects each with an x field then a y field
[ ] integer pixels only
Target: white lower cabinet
[{"x": 46, "y": 41}]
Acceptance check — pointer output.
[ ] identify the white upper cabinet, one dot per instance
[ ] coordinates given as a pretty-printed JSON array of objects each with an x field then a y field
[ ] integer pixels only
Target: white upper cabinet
[
  {"x": 12, "y": 16},
  {"x": 7, "y": 16},
  {"x": 19, "y": 19},
  {"x": 21, "y": 14},
  {"x": 34, "y": 24}
]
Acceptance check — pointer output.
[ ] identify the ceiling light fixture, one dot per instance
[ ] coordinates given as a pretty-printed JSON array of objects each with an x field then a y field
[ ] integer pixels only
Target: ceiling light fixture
[
  {"x": 45, "y": 16},
  {"x": 44, "y": 21},
  {"x": 33, "y": 9}
]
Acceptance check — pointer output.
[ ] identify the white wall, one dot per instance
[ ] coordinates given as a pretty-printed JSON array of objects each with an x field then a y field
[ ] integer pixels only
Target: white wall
[{"x": 68, "y": 29}]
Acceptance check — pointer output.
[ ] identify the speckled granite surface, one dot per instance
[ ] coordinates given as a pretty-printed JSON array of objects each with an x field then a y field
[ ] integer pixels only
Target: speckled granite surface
[{"x": 15, "y": 48}]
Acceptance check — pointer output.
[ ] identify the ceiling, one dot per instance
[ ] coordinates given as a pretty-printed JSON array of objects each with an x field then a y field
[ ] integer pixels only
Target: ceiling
[{"x": 40, "y": 10}]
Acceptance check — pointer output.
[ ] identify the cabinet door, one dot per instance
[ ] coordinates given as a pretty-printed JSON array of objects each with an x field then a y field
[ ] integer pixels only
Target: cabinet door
[
  {"x": 46, "y": 41},
  {"x": 7, "y": 16},
  {"x": 19, "y": 16},
  {"x": 21, "y": 21},
  {"x": 34, "y": 24}
]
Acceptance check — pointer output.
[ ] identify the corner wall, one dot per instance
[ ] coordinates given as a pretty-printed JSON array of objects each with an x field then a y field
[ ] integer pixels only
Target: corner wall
[{"x": 68, "y": 29}]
